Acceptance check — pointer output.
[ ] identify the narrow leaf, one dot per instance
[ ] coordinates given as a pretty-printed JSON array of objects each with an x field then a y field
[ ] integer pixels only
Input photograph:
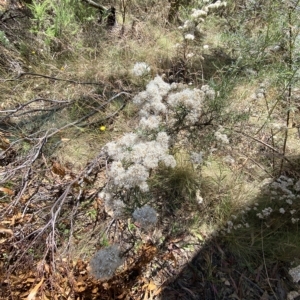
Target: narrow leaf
[
  {"x": 34, "y": 291},
  {"x": 6, "y": 191}
]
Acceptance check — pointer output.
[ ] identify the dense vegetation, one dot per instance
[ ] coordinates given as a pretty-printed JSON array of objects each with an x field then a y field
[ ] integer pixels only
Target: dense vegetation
[{"x": 149, "y": 149}]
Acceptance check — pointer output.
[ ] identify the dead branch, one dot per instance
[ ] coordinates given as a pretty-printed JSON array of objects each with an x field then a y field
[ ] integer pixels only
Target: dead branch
[
  {"x": 45, "y": 201},
  {"x": 96, "y": 5},
  {"x": 53, "y": 215},
  {"x": 13, "y": 112},
  {"x": 89, "y": 115},
  {"x": 266, "y": 145},
  {"x": 52, "y": 78},
  {"x": 27, "y": 165}
]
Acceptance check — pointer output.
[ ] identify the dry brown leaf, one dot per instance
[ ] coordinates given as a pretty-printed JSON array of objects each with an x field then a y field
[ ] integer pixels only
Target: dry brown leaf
[
  {"x": 122, "y": 295},
  {"x": 34, "y": 291},
  {"x": 81, "y": 289},
  {"x": 47, "y": 268},
  {"x": 171, "y": 256},
  {"x": 146, "y": 296},
  {"x": 5, "y": 230},
  {"x": 157, "y": 292},
  {"x": 4, "y": 142},
  {"x": 13, "y": 221},
  {"x": 6, "y": 191},
  {"x": 16, "y": 219},
  {"x": 151, "y": 286},
  {"x": 105, "y": 285},
  {"x": 58, "y": 169}
]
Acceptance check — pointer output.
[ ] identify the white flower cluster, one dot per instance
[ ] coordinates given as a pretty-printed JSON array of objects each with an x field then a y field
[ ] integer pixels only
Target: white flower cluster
[
  {"x": 190, "y": 55},
  {"x": 297, "y": 186},
  {"x": 282, "y": 210},
  {"x": 216, "y": 5},
  {"x": 140, "y": 69},
  {"x": 190, "y": 27},
  {"x": 191, "y": 101},
  {"x": 265, "y": 212},
  {"x": 198, "y": 14},
  {"x": 283, "y": 184},
  {"x": 134, "y": 175},
  {"x": 229, "y": 160},
  {"x": 145, "y": 216},
  {"x": 231, "y": 226},
  {"x": 151, "y": 99},
  {"x": 196, "y": 158},
  {"x": 150, "y": 123},
  {"x": 189, "y": 36},
  {"x": 140, "y": 156},
  {"x": 105, "y": 262},
  {"x": 199, "y": 198},
  {"x": 285, "y": 189},
  {"x": 221, "y": 137},
  {"x": 161, "y": 99},
  {"x": 295, "y": 273},
  {"x": 113, "y": 207}
]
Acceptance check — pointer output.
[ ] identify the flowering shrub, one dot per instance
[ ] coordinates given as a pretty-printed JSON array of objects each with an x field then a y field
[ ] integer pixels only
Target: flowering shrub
[
  {"x": 136, "y": 154},
  {"x": 105, "y": 262},
  {"x": 191, "y": 31},
  {"x": 166, "y": 111}
]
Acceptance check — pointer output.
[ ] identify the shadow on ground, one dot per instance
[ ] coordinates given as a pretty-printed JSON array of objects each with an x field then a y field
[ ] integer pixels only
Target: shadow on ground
[
  {"x": 251, "y": 262},
  {"x": 216, "y": 273}
]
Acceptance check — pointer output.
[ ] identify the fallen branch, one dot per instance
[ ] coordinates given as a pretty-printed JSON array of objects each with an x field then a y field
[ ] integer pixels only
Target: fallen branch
[
  {"x": 52, "y": 78},
  {"x": 265, "y": 144},
  {"x": 12, "y": 112},
  {"x": 96, "y": 5}
]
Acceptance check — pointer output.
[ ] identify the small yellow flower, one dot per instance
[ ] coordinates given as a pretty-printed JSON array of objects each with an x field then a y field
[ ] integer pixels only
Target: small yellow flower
[
  {"x": 102, "y": 128},
  {"x": 33, "y": 52},
  {"x": 62, "y": 68}
]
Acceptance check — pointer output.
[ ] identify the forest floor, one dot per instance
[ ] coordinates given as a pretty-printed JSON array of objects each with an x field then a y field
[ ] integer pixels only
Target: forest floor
[{"x": 55, "y": 115}]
